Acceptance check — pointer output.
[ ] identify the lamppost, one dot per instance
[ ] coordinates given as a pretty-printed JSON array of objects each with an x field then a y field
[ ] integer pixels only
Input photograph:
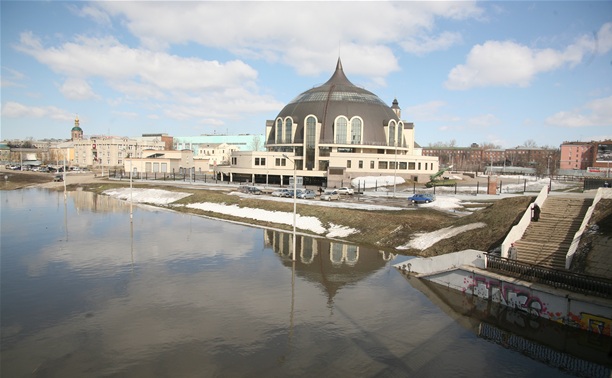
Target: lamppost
[
  {"x": 294, "y": 200},
  {"x": 395, "y": 172}
]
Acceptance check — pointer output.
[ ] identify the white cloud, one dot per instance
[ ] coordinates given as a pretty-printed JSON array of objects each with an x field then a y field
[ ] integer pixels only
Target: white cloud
[
  {"x": 109, "y": 59},
  {"x": 595, "y": 113},
  {"x": 307, "y": 41},
  {"x": 93, "y": 13},
  {"x": 424, "y": 44},
  {"x": 507, "y": 63},
  {"x": 203, "y": 87},
  {"x": 432, "y": 111},
  {"x": 14, "y": 78},
  {"x": 77, "y": 89},
  {"x": 13, "y": 109}
]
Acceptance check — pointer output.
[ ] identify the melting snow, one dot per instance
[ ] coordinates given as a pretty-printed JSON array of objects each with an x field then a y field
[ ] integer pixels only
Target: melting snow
[{"x": 422, "y": 241}]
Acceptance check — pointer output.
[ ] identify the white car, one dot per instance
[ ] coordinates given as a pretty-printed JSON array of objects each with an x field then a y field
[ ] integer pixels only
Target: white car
[
  {"x": 346, "y": 190},
  {"x": 329, "y": 195}
]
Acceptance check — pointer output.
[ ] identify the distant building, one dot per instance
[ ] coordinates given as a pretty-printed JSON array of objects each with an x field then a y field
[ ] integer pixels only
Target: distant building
[
  {"x": 476, "y": 158},
  {"x": 167, "y": 139},
  {"x": 577, "y": 155},
  {"x": 76, "y": 133},
  {"x": 110, "y": 151}
]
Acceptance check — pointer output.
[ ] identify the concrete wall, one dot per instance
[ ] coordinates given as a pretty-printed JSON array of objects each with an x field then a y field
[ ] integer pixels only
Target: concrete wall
[
  {"x": 424, "y": 266},
  {"x": 516, "y": 233},
  {"x": 576, "y": 310},
  {"x": 601, "y": 193}
]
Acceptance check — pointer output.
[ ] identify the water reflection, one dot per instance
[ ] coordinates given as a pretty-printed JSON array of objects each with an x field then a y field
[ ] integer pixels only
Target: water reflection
[
  {"x": 585, "y": 354},
  {"x": 329, "y": 264},
  {"x": 84, "y": 292}
]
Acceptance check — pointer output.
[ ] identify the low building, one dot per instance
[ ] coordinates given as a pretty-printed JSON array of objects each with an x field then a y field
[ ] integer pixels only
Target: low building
[{"x": 160, "y": 161}]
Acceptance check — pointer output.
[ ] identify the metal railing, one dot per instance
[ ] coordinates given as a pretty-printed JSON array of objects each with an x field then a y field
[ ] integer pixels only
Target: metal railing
[{"x": 580, "y": 283}]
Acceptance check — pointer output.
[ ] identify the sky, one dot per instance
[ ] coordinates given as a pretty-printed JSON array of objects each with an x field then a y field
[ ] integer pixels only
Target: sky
[{"x": 502, "y": 73}]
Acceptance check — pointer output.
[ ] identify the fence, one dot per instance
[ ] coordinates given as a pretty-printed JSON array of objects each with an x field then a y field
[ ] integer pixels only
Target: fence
[
  {"x": 165, "y": 176},
  {"x": 559, "y": 279}
]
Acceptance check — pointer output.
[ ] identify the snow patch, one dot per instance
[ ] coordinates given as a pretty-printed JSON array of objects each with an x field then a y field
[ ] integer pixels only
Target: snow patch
[
  {"x": 425, "y": 240},
  {"x": 142, "y": 195}
]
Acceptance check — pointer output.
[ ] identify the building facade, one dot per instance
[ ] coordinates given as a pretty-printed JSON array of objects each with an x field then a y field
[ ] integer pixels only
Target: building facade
[
  {"x": 160, "y": 161},
  {"x": 330, "y": 135},
  {"x": 110, "y": 152}
]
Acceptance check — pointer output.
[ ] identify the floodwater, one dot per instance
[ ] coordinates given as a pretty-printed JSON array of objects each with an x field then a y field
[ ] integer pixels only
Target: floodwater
[{"x": 87, "y": 293}]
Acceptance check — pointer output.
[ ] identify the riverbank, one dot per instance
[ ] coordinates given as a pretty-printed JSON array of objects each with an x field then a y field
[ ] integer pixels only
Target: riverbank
[{"x": 382, "y": 221}]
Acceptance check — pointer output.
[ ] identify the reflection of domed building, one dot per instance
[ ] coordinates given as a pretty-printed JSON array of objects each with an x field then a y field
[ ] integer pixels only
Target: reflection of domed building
[
  {"x": 328, "y": 263},
  {"x": 76, "y": 133},
  {"x": 334, "y": 132}
]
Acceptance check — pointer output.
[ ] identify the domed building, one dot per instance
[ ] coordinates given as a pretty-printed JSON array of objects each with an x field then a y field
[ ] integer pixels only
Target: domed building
[
  {"x": 76, "y": 133},
  {"x": 334, "y": 133}
]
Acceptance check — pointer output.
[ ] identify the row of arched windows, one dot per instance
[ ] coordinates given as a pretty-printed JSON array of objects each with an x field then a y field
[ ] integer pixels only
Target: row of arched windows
[
  {"x": 348, "y": 133},
  {"x": 345, "y": 132},
  {"x": 396, "y": 132}
]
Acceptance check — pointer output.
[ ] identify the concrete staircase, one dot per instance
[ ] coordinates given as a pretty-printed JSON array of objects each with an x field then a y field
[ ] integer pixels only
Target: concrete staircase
[{"x": 546, "y": 242}]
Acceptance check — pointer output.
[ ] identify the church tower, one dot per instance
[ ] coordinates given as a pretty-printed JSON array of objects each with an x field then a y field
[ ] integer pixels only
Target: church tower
[
  {"x": 396, "y": 108},
  {"x": 76, "y": 132}
]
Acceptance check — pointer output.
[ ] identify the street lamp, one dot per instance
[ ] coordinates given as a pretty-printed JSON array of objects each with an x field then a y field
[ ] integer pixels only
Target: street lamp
[{"x": 294, "y": 200}]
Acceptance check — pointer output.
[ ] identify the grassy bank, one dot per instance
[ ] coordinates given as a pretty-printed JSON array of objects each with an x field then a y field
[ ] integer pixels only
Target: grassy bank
[{"x": 382, "y": 229}]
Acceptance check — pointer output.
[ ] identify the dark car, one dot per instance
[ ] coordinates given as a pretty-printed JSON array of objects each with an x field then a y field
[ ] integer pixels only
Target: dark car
[
  {"x": 249, "y": 190},
  {"x": 421, "y": 198}
]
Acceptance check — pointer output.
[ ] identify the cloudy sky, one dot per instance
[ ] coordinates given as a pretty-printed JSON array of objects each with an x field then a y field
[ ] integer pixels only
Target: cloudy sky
[{"x": 469, "y": 72}]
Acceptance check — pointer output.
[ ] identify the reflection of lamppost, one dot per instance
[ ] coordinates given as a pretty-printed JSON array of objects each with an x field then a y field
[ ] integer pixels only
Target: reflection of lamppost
[
  {"x": 395, "y": 172},
  {"x": 294, "y": 200},
  {"x": 131, "y": 195}
]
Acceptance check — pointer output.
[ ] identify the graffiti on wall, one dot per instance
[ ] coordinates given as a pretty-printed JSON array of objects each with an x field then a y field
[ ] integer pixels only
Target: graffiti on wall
[
  {"x": 509, "y": 295},
  {"x": 522, "y": 299},
  {"x": 591, "y": 322}
]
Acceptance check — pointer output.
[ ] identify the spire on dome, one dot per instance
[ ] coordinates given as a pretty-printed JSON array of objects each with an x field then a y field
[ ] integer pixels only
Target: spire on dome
[{"x": 339, "y": 77}]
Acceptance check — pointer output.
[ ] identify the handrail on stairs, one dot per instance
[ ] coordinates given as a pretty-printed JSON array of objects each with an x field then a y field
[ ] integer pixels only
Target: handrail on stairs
[{"x": 559, "y": 279}]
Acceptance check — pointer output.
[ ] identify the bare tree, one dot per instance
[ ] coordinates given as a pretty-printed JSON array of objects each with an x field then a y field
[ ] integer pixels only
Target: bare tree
[
  {"x": 530, "y": 143},
  {"x": 256, "y": 143}
]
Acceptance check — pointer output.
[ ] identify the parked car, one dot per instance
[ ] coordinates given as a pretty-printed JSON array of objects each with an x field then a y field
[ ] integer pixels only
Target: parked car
[
  {"x": 249, "y": 190},
  {"x": 421, "y": 198},
  {"x": 306, "y": 194},
  {"x": 346, "y": 190},
  {"x": 288, "y": 193},
  {"x": 329, "y": 195},
  {"x": 279, "y": 193}
]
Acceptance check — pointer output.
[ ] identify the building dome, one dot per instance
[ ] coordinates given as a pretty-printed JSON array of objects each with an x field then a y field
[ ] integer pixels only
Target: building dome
[
  {"x": 339, "y": 97},
  {"x": 76, "y": 125},
  {"x": 76, "y": 132}
]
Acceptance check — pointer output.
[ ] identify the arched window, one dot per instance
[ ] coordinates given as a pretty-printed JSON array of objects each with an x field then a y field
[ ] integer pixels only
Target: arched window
[
  {"x": 311, "y": 133},
  {"x": 356, "y": 131},
  {"x": 400, "y": 134},
  {"x": 392, "y": 135},
  {"x": 279, "y": 131},
  {"x": 341, "y": 130},
  {"x": 288, "y": 130}
]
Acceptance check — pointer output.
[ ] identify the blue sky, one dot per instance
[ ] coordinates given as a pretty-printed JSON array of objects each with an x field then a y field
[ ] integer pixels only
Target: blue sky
[{"x": 463, "y": 72}]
